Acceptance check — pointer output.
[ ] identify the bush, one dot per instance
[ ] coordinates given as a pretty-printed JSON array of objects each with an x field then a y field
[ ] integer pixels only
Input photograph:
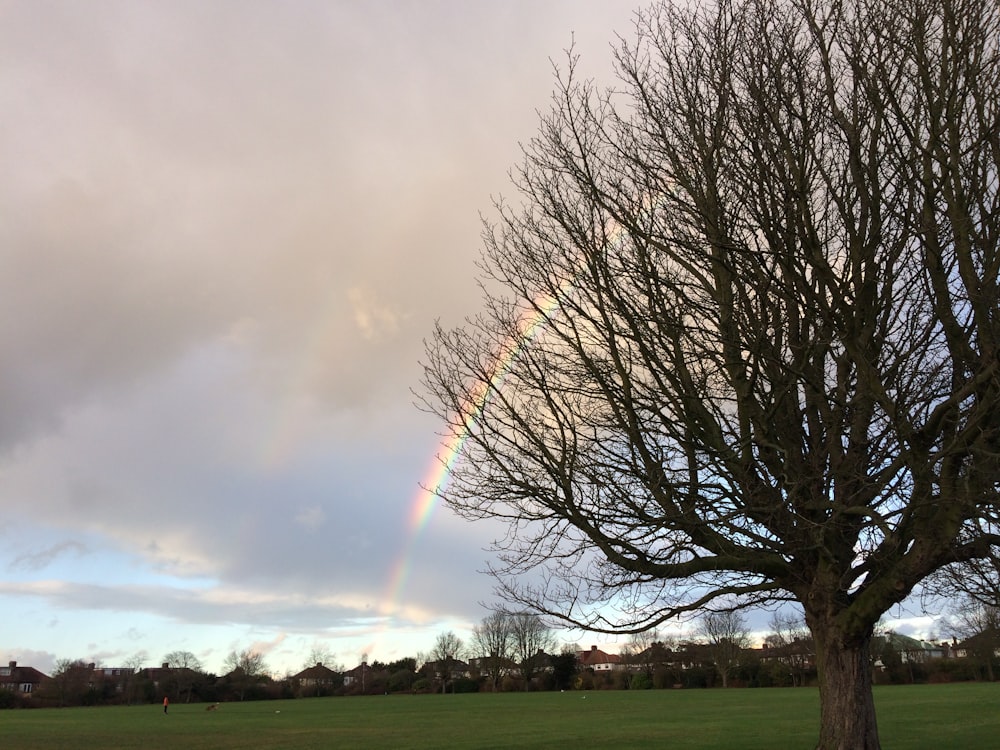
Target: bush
[
  {"x": 11, "y": 699},
  {"x": 465, "y": 685},
  {"x": 640, "y": 681},
  {"x": 774, "y": 674},
  {"x": 402, "y": 680},
  {"x": 698, "y": 677},
  {"x": 664, "y": 678}
]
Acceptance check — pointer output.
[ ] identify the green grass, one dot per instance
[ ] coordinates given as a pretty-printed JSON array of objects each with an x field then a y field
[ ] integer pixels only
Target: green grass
[{"x": 931, "y": 716}]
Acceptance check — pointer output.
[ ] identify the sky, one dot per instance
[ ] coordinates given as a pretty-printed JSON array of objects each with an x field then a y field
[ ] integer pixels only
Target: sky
[{"x": 226, "y": 229}]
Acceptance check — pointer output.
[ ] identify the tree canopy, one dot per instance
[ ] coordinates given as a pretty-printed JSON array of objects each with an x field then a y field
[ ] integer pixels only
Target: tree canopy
[{"x": 739, "y": 337}]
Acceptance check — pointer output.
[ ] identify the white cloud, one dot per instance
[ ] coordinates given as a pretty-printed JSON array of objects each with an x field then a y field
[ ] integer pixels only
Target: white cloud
[{"x": 374, "y": 319}]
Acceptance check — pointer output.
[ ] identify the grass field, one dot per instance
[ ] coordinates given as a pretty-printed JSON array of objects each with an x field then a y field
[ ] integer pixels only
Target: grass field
[{"x": 931, "y": 716}]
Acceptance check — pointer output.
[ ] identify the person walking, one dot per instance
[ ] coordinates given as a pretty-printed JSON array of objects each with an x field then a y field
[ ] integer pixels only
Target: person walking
[{"x": 166, "y": 703}]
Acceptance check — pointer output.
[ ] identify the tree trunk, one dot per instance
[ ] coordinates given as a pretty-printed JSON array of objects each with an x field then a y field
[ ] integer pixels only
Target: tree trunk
[{"x": 847, "y": 707}]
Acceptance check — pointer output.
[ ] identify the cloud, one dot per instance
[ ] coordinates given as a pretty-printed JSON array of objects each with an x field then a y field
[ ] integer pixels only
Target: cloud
[
  {"x": 37, "y": 561},
  {"x": 227, "y": 229},
  {"x": 374, "y": 319},
  {"x": 265, "y": 648},
  {"x": 310, "y": 518},
  {"x": 193, "y": 606}
]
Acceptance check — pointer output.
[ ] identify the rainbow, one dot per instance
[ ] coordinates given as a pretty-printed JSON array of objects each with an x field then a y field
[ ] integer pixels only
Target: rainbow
[{"x": 426, "y": 500}]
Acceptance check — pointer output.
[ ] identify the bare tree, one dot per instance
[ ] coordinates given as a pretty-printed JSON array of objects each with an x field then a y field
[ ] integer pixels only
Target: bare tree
[
  {"x": 321, "y": 655},
  {"x": 249, "y": 661},
  {"x": 184, "y": 659},
  {"x": 69, "y": 681},
  {"x": 532, "y": 642},
  {"x": 978, "y": 626},
  {"x": 448, "y": 649},
  {"x": 790, "y": 638},
  {"x": 642, "y": 653},
  {"x": 740, "y": 335},
  {"x": 728, "y": 637},
  {"x": 185, "y": 667},
  {"x": 492, "y": 642},
  {"x": 133, "y": 681},
  {"x": 977, "y": 581},
  {"x": 245, "y": 668}
]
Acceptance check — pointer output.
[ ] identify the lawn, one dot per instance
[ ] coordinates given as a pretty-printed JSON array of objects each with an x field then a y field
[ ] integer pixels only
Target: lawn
[{"x": 932, "y": 716}]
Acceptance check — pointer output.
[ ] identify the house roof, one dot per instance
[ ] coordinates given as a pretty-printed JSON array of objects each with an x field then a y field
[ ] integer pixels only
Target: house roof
[
  {"x": 795, "y": 647},
  {"x": 481, "y": 662},
  {"x": 15, "y": 675},
  {"x": 449, "y": 663},
  {"x": 158, "y": 673},
  {"x": 597, "y": 656},
  {"x": 902, "y": 642},
  {"x": 363, "y": 667},
  {"x": 318, "y": 672},
  {"x": 988, "y": 639}
]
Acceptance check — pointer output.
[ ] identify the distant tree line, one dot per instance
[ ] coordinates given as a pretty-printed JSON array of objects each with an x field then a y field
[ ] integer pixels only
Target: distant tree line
[{"x": 516, "y": 651}]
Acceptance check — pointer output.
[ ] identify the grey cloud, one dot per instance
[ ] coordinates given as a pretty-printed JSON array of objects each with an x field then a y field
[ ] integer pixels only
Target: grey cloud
[
  {"x": 227, "y": 228},
  {"x": 192, "y": 607},
  {"x": 36, "y": 561},
  {"x": 192, "y": 167}
]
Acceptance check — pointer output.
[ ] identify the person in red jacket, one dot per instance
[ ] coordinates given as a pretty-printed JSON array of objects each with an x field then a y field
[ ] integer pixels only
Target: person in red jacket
[{"x": 166, "y": 703}]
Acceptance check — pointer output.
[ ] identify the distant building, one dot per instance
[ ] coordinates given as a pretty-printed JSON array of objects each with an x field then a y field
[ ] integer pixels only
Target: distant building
[
  {"x": 317, "y": 679},
  {"x": 23, "y": 680},
  {"x": 600, "y": 661}
]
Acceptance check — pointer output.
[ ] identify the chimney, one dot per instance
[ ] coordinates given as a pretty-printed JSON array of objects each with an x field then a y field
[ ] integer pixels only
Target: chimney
[
  {"x": 166, "y": 665},
  {"x": 13, "y": 664}
]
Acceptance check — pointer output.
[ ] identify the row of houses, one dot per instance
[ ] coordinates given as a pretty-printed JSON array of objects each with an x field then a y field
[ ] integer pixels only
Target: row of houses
[
  {"x": 797, "y": 653},
  {"x": 26, "y": 680}
]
